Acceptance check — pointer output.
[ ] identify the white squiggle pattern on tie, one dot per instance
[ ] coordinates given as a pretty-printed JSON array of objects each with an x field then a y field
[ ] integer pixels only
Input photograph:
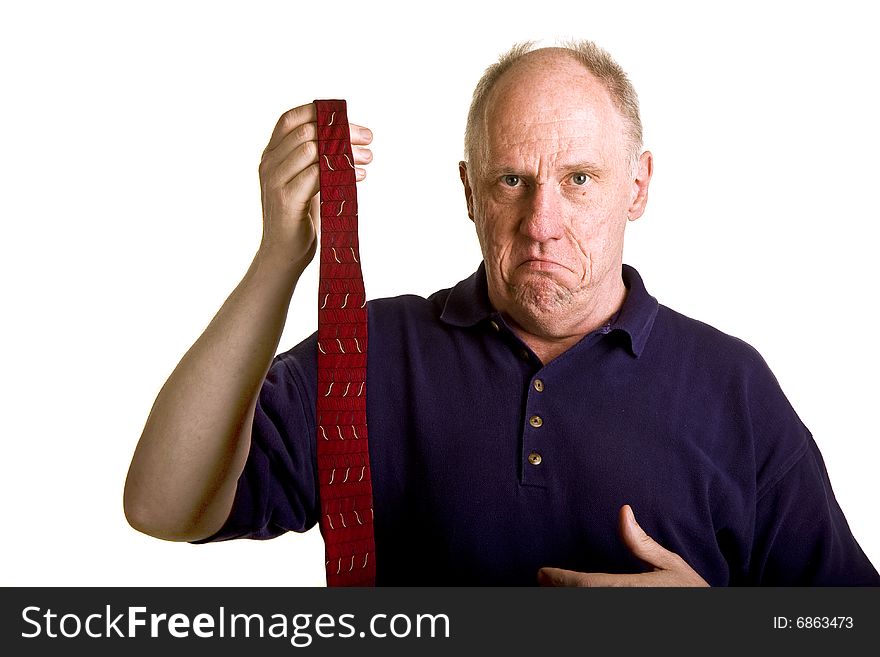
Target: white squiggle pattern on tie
[{"x": 361, "y": 390}]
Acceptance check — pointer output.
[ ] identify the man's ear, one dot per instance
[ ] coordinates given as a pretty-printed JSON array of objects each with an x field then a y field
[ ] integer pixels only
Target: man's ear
[
  {"x": 640, "y": 186},
  {"x": 468, "y": 193}
]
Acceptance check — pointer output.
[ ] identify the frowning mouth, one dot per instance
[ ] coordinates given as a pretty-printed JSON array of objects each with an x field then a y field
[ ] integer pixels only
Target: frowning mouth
[{"x": 540, "y": 264}]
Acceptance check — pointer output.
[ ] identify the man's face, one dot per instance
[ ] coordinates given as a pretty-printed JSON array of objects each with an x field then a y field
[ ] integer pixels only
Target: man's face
[{"x": 551, "y": 195}]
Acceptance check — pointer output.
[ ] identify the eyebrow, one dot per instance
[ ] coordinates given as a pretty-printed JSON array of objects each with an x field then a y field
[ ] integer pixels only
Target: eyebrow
[{"x": 585, "y": 166}]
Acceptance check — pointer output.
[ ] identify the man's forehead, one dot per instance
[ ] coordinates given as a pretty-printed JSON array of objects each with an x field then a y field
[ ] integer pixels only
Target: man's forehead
[
  {"x": 551, "y": 111},
  {"x": 581, "y": 135},
  {"x": 549, "y": 124},
  {"x": 545, "y": 143}
]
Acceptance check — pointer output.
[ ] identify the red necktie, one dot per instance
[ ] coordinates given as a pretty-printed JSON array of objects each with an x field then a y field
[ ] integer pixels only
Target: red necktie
[{"x": 345, "y": 488}]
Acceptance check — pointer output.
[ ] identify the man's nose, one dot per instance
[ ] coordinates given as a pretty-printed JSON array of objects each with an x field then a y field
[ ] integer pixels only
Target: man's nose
[{"x": 543, "y": 219}]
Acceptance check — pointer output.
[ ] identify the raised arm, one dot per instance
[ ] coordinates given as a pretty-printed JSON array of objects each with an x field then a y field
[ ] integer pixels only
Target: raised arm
[{"x": 182, "y": 478}]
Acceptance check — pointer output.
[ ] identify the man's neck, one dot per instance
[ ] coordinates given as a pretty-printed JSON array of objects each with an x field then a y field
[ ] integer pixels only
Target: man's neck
[{"x": 547, "y": 346}]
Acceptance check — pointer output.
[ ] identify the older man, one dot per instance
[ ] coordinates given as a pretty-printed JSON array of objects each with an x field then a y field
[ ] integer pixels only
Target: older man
[{"x": 518, "y": 418}]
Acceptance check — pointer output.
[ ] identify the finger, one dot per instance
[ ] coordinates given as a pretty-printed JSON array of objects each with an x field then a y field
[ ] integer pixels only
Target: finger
[
  {"x": 290, "y": 120},
  {"x": 562, "y": 577},
  {"x": 642, "y": 545},
  {"x": 657, "y": 578},
  {"x": 682, "y": 576},
  {"x": 304, "y": 157},
  {"x": 305, "y": 133},
  {"x": 360, "y": 136},
  {"x": 627, "y": 580},
  {"x": 361, "y": 155},
  {"x": 296, "y": 137},
  {"x": 671, "y": 569},
  {"x": 292, "y": 165},
  {"x": 559, "y": 577},
  {"x": 308, "y": 131},
  {"x": 303, "y": 187}
]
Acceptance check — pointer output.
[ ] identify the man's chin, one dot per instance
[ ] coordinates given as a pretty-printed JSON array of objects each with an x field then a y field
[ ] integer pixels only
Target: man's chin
[
  {"x": 541, "y": 296},
  {"x": 537, "y": 283}
]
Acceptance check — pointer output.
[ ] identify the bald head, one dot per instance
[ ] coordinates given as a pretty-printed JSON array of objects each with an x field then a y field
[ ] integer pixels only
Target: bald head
[{"x": 524, "y": 73}]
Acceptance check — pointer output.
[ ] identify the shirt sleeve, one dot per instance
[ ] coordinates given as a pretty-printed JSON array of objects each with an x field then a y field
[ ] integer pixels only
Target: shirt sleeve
[
  {"x": 802, "y": 537},
  {"x": 277, "y": 490},
  {"x": 799, "y": 535}
]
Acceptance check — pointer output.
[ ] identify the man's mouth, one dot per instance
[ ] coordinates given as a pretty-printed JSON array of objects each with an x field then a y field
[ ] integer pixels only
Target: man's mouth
[{"x": 540, "y": 264}]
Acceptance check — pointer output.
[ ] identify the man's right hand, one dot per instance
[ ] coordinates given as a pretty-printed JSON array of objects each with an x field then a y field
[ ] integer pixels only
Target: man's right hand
[
  {"x": 289, "y": 180},
  {"x": 185, "y": 469}
]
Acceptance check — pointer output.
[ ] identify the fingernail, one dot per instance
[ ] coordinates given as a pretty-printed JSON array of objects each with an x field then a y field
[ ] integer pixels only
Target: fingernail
[{"x": 366, "y": 133}]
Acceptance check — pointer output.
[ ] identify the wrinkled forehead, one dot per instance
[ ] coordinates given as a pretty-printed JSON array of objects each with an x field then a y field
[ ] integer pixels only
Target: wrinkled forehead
[
  {"x": 542, "y": 111},
  {"x": 547, "y": 134}
]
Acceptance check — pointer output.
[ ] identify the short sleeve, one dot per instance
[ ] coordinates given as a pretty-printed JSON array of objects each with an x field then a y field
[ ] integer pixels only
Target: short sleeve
[
  {"x": 802, "y": 537},
  {"x": 277, "y": 490}
]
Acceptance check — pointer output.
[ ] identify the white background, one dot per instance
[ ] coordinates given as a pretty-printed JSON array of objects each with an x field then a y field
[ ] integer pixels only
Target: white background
[{"x": 129, "y": 144}]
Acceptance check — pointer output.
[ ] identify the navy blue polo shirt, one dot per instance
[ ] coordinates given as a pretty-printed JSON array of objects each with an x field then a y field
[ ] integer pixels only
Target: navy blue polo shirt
[{"x": 488, "y": 465}]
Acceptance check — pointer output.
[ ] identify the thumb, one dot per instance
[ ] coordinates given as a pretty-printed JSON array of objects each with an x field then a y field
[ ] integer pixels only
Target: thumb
[{"x": 640, "y": 544}]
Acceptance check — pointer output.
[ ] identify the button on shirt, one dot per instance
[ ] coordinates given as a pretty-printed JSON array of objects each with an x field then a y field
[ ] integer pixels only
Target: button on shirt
[{"x": 488, "y": 465}]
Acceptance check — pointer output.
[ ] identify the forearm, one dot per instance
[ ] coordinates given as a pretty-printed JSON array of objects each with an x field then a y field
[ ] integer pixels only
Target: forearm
[
  {"x": 183, "y": 475},
  {"x": 182, "y": 479}
]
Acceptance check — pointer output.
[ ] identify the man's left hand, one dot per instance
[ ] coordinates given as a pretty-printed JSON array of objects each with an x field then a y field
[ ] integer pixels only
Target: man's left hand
[{"x": 669, "y": 569}]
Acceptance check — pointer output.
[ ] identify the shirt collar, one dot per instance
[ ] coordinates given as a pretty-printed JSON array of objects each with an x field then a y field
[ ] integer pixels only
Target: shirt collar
[{"x": 468, "y": 304}]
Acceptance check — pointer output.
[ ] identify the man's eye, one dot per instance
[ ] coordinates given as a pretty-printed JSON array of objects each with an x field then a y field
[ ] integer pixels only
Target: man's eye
[
  {"x": 580, "y": 178},
  {"x": 510, "y": 181}
]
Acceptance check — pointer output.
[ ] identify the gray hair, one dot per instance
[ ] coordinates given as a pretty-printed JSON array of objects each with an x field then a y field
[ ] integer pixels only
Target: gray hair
[{"x": 596, "y": 60}]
